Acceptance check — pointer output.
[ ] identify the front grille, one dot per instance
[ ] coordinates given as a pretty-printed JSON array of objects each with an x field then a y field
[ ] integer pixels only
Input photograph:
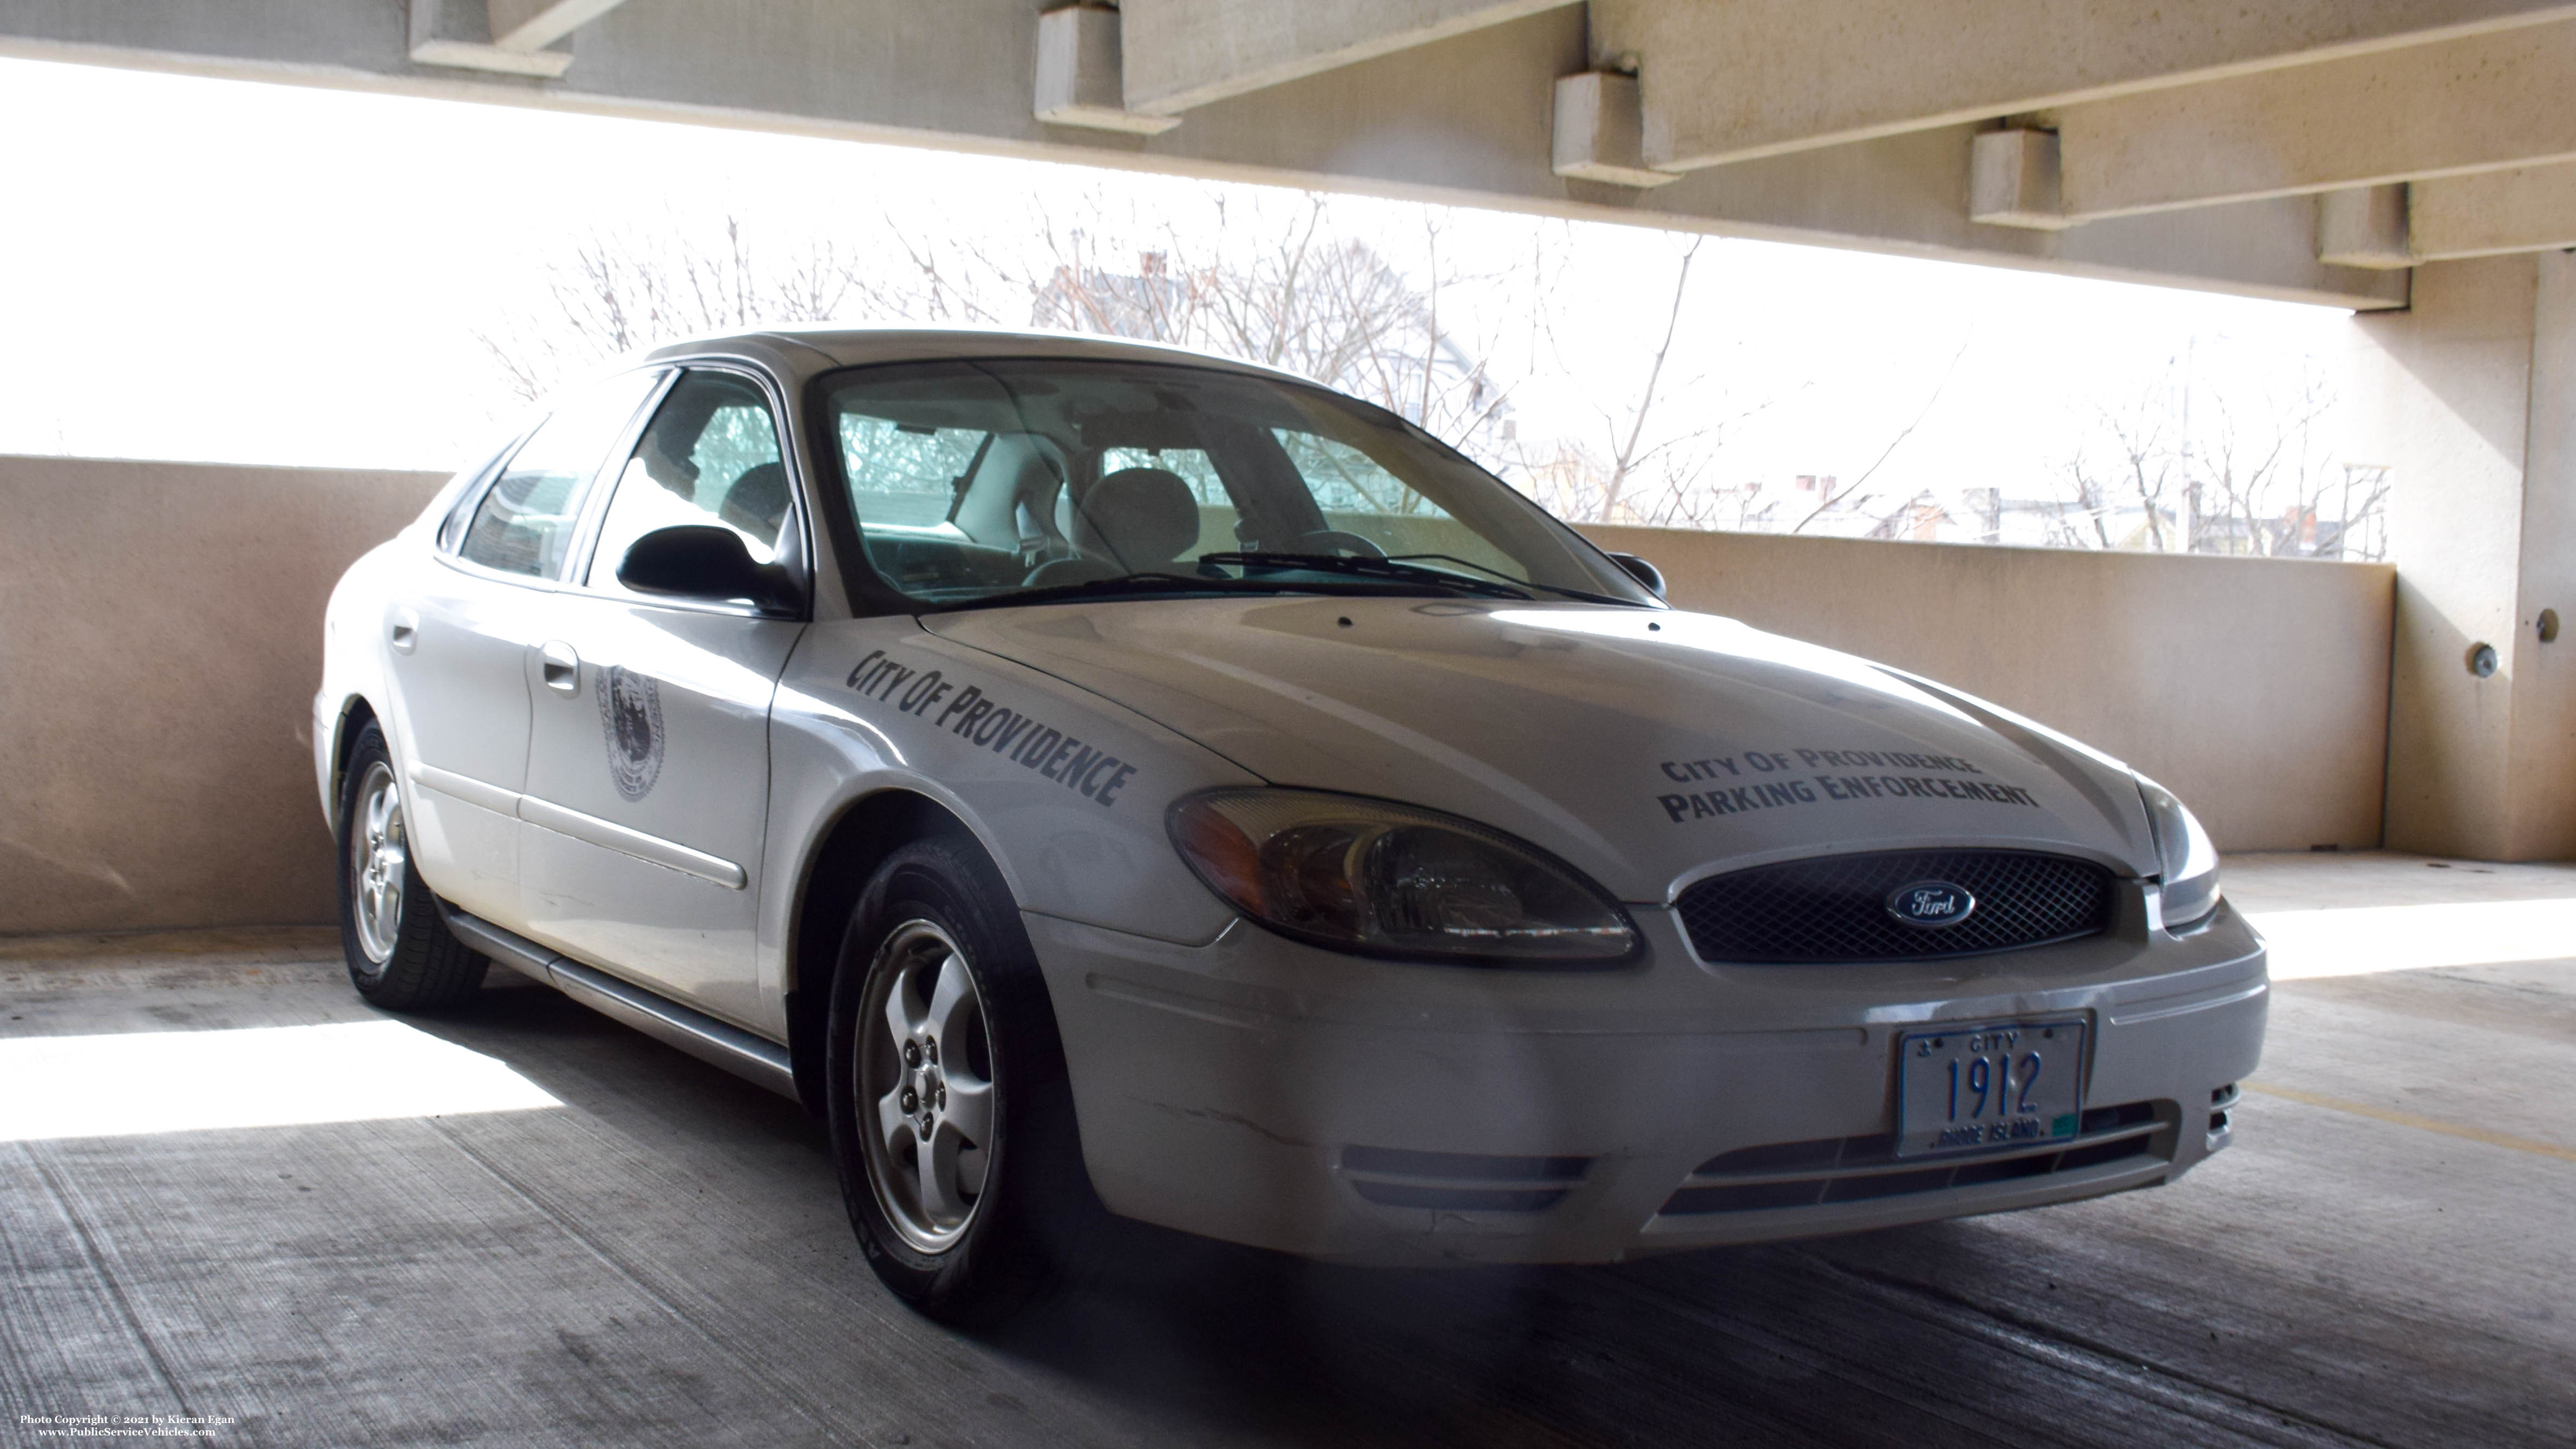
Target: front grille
[
  {"x": 1856, "y": 1169},
  {"x": 1460, "y": 1181},
  {"x": 1834, "y": 907}
]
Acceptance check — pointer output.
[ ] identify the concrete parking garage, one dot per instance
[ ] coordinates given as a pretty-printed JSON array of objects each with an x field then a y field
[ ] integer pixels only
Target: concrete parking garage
[
  {"x": 540, "y": 1227},
  {"x": 572, "y": 1234}
]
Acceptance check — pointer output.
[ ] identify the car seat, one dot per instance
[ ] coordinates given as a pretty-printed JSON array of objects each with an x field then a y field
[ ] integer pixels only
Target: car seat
[
  {"x": 1006, "y": 502},
  {"x": 1136, "y": 520}
]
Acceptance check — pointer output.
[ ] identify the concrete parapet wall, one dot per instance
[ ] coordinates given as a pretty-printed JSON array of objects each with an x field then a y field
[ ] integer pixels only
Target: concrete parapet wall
[
  {"x": 160, "y": 641},
  {"x": 2256, "y": 689}
]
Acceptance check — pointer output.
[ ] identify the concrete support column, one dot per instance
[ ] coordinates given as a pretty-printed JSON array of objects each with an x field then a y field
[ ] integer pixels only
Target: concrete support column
[{"x": 2470, "y": 397}]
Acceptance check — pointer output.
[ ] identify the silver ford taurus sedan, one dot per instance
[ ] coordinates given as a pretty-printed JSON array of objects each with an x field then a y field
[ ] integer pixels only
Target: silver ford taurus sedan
[{"x": 1105, "y": 781}]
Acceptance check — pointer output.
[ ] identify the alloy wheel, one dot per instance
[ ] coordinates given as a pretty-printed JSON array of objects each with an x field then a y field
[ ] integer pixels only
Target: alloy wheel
[
  {"x": 379, "y": 864},
  {"x": 926, "y": 1062}
]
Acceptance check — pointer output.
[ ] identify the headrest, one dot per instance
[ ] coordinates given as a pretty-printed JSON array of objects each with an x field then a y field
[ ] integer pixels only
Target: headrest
[
  {"x": 757, "y": 502},
  {"x": 1033, "y": 461},
  {"x": 1016, "y": 469},
  {"x": 1140, "y": 517}
]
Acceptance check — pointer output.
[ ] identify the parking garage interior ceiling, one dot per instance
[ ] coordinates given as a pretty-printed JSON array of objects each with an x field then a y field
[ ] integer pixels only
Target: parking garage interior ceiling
[{"x": 2306, "y": 149}]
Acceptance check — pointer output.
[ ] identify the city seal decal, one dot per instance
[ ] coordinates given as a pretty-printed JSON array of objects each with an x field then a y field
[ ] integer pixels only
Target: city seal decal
[
  {"x": 1931, "y": 904},
  {"x": 630, "y": 717}
]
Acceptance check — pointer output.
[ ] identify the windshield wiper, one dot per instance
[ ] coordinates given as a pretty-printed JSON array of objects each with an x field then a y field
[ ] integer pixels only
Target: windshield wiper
[
  {"x": 1147, "y": 583},
  {"x": 1465, "y": 563},
  {"x": 1373, "y": 568},
  {"x": 1144, "y": 583}
]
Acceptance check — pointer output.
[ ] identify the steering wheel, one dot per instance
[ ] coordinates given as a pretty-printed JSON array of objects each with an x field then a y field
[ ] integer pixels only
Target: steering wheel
[{"x": 1330, "y": 541}]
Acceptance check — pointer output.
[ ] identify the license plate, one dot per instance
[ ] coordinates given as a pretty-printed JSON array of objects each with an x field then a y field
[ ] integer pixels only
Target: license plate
[{"x": 1981, "y": 1086}]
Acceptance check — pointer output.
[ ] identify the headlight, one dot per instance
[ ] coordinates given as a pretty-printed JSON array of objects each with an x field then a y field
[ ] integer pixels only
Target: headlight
[
  {"x": 2190, "y": 862},
  {"x": 1382, "y": 879}
]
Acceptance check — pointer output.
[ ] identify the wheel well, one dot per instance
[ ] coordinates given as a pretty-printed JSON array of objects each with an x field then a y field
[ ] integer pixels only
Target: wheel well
[
  {"x": 354, "y": 717},
  {"x": 865, "y": 834}
]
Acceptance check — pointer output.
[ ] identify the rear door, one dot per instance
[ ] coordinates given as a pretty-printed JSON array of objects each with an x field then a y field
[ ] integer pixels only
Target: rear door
[
  {"x": 648, "y": 764},
  {"x": 459, "y": 632}
]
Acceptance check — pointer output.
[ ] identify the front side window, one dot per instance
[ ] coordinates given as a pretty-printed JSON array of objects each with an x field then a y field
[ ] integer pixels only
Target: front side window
[
  {"x": 1027, "y": 480},
  {"x": 526, "y": 518},
  {"x": 710, "y": 456}
]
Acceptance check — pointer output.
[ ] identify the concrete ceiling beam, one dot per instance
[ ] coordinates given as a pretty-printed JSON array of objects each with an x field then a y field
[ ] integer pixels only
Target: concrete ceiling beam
[
  {"x": 528, "y": 25},
  {"x": 1182, "y": 54},
  {"x": 1079, "y": 77},
  {"x": 2365, "y": 227},
  {"x": 1596, "y": 132},
  {"x": 2012, "y": 180},
  {"x": 2451, "y": 218},
  {"x": 2527, "y": 209},
  {"x": 1467, "y": 121},
  {"x": 1732, "y": 82},
  {"x": 506, "y": 37},
  {"x": 2484, "y": 103}
]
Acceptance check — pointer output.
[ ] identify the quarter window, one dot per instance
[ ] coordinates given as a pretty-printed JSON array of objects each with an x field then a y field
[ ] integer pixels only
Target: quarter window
[
  {"x": 525, "y": 521},
  {"x": 710, "y": 457}
]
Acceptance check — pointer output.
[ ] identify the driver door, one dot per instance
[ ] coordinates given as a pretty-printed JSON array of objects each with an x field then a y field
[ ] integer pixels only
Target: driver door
[{"x": 648, "y": 760}]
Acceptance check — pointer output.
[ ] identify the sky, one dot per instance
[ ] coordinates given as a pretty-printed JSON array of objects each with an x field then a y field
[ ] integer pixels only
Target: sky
[{"x": 227, "y": 271}]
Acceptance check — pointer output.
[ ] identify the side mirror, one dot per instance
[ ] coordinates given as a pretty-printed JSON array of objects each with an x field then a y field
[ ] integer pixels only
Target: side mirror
[
  {"x": 1642, "y": 571},
  {"x": 702, "y": 561}
]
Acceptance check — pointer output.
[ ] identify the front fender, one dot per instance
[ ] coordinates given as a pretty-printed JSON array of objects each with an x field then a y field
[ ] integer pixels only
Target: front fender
[{"x": 1064, "y": 789}]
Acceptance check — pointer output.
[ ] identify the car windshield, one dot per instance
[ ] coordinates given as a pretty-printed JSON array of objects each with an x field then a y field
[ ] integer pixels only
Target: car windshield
[{"x": 1028, "y": 481}]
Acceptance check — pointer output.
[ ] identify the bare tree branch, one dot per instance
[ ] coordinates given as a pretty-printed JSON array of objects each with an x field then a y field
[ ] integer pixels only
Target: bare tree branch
[{"x": 1894, "y": 443}]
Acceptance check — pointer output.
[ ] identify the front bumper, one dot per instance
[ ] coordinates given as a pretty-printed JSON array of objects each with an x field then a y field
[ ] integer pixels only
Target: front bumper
[{"x": 1264, "y": 1092}]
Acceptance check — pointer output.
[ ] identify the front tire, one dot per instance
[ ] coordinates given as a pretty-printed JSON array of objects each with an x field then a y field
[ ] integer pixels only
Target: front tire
[
  {"x": 401, "y": 955},
  {"x": 951, "y": 1119}
]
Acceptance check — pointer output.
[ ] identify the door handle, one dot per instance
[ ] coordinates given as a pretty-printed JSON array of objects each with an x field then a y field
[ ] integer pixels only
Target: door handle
[
  {"x": 561, "y": 666},
  {"x": 404, "y": 631}
]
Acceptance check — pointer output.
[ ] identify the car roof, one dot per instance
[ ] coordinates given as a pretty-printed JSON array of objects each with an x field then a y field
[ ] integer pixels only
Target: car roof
[{"x": 800, "y": 352}]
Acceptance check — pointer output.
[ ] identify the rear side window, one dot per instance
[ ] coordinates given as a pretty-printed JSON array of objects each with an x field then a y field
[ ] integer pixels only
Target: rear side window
[
  {"x": 710, "y": 458},
  {"x": 526, "y": 519}
]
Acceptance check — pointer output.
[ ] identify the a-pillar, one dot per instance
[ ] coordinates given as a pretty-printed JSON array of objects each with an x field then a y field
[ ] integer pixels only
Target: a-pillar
[{"x": 2469, "y": 397}]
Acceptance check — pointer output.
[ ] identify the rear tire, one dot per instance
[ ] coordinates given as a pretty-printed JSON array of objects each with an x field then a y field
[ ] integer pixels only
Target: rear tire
[
  {"x": 401, "y": 955},
  {"x": 951, "y": 1119}
]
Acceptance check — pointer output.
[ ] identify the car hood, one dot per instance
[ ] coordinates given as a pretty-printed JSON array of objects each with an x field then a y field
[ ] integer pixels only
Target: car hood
[{"x": 1646, "y": 747}]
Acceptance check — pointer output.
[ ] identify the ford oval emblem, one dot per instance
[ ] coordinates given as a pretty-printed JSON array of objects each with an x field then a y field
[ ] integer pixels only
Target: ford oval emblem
[{"x": 1932, "y": 904}]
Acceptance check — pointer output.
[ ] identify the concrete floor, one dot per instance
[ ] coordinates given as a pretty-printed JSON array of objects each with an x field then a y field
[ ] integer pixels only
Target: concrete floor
[{"x": 2387, "y": 1256}]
